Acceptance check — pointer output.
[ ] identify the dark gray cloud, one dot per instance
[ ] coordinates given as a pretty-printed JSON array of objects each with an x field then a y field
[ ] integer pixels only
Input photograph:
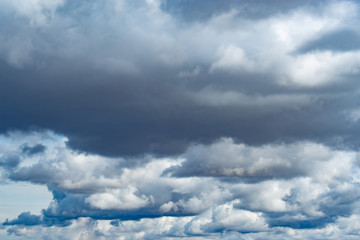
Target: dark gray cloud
[
  {"x": 38, "y": 148},
  {"x": 25, "y": 218},
  {"x": 201, "y": 10},
  {"x": 170, "y": 119},
  {"x": 134, "y": 116},
  {"x": 112, "y": 89},
  {"x": 343, "y": 40},
  {"x": 9, "y": 161}
]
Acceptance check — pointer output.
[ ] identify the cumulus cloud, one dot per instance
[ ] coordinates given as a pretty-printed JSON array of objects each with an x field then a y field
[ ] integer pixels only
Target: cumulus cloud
[
  {"x": 319, "y": 68},
  {"x": 210, "y": 120},
  {"x": 273, "y": 52},
  {"x": 173, "y": 228},
  {"x": 118, "y": 199},
  {"x": 233, "y": 59},
  {"x": 266, "y": 47},
  {"x": 24, "y": 218},
  {"x": 208, "y": 190},
  {"x": 226, "y": 158}
]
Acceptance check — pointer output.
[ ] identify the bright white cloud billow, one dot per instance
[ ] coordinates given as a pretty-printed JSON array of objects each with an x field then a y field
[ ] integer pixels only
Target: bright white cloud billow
[
  {"x": 234, "y": 44},
  {"x": 207, "y": 190}
]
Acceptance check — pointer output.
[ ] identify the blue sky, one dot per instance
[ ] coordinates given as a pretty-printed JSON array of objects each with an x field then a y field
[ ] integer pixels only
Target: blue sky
[{"x": 194, "y": 119}]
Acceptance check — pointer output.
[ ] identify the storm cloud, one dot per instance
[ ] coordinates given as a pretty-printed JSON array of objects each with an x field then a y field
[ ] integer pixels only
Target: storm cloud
[
  {"x": 128, "y": 78},
  {"x": 188, "y": 118}
]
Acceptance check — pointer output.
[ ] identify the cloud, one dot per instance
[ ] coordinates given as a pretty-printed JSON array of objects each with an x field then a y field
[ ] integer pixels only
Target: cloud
[
  {"x": 319, "y": 68},
  {"x": 233, "y": 59},
  {"x": 285, "y": 37},
  {"x": 206, "y": 191},
  {"x": 343, "y": 40},
  {"x": 38, "y": 12},
  {"x": 25, "y": 218},
  {"x": 225, "y": 217},
  {"x": 190, "y": 74},
  {"x": 172, "y": 228},
  {"x": 211, "y": 97},
  {"x": 156, "y": 119},
  {"x": 136, "y": 78},
  {"x": 38, "y": 148},
  {"x": 9, "y": 161},
  {"x": 118, "y": 199},
  {"x": 226, "y": 158}
]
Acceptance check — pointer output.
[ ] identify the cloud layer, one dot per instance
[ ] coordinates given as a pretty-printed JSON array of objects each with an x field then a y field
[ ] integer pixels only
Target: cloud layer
[
  {"x": 127, "y": 78},
  {"x": 156, "y": 119},
  {"x": 219, "y": 190}
]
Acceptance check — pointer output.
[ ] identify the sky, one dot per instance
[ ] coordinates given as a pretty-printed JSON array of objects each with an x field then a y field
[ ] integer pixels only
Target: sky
[{"x": 179, "y": 119}]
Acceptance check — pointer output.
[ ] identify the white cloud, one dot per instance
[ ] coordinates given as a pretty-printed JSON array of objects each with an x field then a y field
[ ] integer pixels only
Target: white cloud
[
  {"x": 118, "y": 199},
  {"x": 130, "y": 38},
  {"x": 273, "y": 44},
  {"x": 227, "y": 217},
  {"x": 39, "y": 12},
  {"x": 225, "y": 186},
  {"x": 212, "y": 97},
  {"x": 233, "y": 59},
  {"x": 319, "y": 68},
  {"x": 226, "y": 158}
]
